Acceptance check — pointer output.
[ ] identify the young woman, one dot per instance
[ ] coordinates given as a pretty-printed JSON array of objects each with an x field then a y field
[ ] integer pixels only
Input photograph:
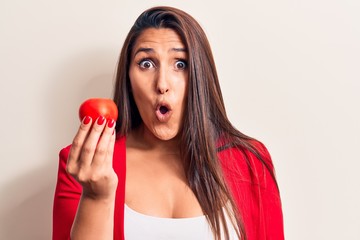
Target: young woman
[{"x": 175, "y": 168}]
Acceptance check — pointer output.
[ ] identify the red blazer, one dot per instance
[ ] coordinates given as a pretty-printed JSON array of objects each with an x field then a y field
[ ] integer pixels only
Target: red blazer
[{"x": 256, "y": 194}]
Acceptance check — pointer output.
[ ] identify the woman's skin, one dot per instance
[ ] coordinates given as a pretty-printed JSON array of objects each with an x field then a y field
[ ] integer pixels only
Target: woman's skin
[{"x": 155, "y": 179}]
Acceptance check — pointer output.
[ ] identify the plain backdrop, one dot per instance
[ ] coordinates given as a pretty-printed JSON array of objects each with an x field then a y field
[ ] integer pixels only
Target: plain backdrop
[{"x": 289, "y": 72}]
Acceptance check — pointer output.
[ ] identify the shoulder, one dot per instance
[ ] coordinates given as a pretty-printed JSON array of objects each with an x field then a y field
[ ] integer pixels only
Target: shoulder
[
  {"x": 250, "y": 176},
  {"x": 253, "y": 165}
]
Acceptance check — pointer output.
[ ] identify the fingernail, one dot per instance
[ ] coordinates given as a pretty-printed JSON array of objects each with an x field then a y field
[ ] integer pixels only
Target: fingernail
[
  {"x": 111, "y": 123},
  {"x": 100, "y": 120},
  {"x": 86, "y": 120}
]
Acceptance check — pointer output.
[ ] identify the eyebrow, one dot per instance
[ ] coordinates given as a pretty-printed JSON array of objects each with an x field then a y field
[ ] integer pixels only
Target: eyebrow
[
  {"x": 149, "y": 50},
  {"x": 179, "y": 50},
  {"x": 144, "y": 50}
]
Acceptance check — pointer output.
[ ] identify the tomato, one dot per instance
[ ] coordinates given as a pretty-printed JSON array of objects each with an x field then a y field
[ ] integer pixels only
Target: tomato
[{"x": 96, "y": 107}]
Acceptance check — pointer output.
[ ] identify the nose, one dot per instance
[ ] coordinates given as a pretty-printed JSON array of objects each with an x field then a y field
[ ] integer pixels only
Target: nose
[{"x": 162, "y": 83}]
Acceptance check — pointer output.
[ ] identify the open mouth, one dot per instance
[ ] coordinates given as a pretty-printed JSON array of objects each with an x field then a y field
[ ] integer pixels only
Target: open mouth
[
  {"x": 163, "y": 113},
  {"x": 163, "y": 109}
]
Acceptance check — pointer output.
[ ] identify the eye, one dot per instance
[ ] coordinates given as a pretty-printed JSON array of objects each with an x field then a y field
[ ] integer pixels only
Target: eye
[
  {"x": 146, "y": 64},
  {"x": 180, "y": 64}
]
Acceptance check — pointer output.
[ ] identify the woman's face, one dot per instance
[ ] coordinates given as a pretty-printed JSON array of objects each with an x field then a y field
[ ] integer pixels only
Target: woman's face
[{"x": 159, "y": 77}]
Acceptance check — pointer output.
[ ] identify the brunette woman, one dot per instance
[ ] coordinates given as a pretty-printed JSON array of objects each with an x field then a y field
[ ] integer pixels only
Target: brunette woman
[{"x": 175, "y": 168}]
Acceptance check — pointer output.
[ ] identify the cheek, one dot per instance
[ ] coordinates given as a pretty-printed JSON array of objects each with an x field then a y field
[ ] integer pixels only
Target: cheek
[
  {"x": 141, "y": 94},
  {"x": 141, "y": 83}
]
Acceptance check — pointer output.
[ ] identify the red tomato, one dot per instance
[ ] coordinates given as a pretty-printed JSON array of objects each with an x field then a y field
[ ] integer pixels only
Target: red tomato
[{"x": 96, "y": 107}]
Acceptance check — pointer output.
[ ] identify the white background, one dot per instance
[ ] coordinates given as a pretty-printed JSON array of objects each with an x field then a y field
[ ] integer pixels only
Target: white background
[{"x": 289, "y": 71}]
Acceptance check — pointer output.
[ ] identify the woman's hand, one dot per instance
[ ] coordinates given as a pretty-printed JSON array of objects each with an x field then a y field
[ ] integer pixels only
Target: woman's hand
[
  {"x": 90, "y": 159},
  {"x": 90, "y": 163}
]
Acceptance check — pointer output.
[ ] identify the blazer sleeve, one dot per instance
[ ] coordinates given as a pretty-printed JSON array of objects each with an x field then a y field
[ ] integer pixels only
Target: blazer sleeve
[
  {"x": 255, "y": 192},
  {"x": 66, "y": 199}
]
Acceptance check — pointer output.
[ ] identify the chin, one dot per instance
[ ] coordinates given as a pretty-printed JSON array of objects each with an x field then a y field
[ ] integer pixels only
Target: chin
[{"x": 166, "y": 135}]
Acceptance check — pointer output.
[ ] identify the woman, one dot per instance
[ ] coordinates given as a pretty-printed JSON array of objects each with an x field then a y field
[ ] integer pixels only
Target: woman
[{"x": 176, "y": 168}]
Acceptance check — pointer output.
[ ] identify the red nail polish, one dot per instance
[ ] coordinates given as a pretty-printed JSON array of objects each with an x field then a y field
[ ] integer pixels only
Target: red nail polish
[
  {"x": 86, "y": 120},
  {"x": 111, "y": 123},
  {"x": 100, "y": 120}
]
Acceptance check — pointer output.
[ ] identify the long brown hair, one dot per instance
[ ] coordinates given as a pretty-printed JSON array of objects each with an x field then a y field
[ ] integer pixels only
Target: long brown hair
[{"x": 207, "y": 129}]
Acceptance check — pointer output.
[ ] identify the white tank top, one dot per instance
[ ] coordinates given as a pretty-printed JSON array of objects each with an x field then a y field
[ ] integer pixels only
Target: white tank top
[{"x": 138, "y": 226}]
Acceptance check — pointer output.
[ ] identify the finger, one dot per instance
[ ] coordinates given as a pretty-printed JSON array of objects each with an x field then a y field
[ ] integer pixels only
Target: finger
[
  {"x": 79, "y": 140},
  {"x": 102, "y": 148},
  {"x": 89, "y": 147},
  {"x": 110, "y": 154}
]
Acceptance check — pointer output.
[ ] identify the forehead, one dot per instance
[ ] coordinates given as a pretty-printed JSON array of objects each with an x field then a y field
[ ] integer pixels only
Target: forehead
[{"x": 158, "y": 38}]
